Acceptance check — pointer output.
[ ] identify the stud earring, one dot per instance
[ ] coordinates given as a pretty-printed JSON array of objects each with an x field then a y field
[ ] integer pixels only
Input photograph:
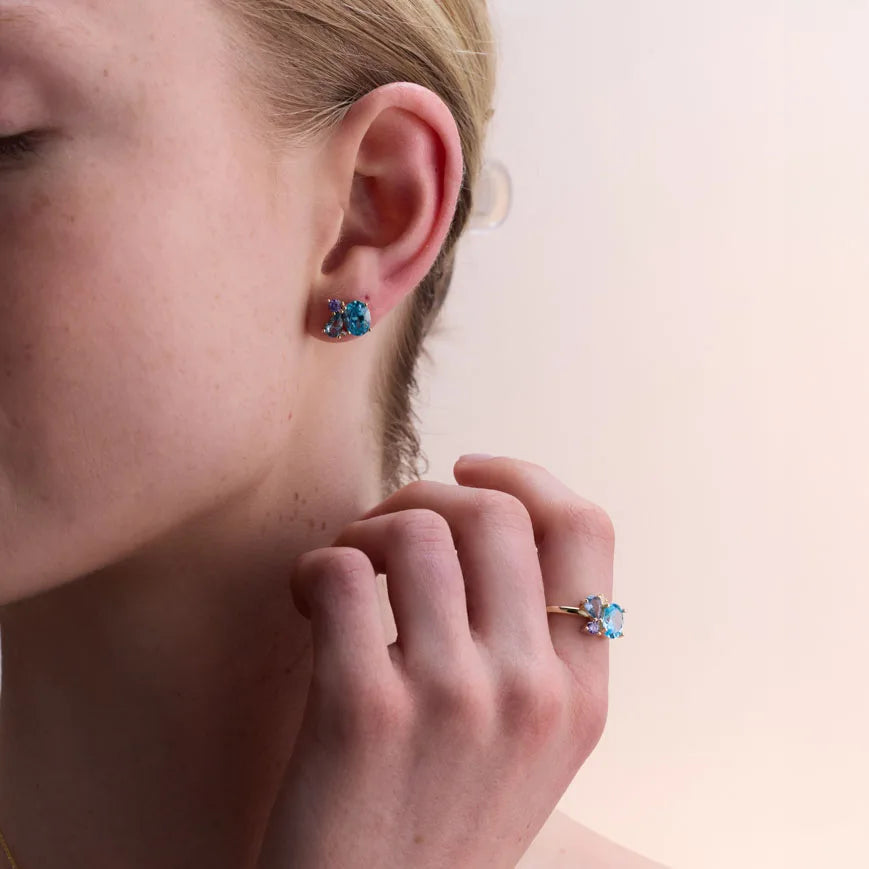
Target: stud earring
[{"x": 348, "y": 318}]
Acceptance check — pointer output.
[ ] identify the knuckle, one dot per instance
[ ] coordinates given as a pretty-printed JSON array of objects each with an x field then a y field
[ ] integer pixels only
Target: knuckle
[
  {"x": 424, "y": 528},
  {"x": 494, "y": 505},
  {"x": 462, "y": 698},
  {"x": 533, "y": 704},
  {"x": 370, "y": 711},
  {"x": 589, "y": 521}
]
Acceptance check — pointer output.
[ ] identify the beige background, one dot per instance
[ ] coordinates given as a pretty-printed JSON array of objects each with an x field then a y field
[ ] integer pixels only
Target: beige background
[{"x": 674, "y": 320}]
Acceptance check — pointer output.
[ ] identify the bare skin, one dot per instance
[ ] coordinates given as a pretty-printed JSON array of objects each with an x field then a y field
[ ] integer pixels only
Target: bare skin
[{"x": 174, "y": 427}]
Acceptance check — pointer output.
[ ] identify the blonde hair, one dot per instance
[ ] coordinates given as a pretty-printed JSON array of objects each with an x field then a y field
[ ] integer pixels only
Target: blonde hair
[{"x": 306, "y": 62}]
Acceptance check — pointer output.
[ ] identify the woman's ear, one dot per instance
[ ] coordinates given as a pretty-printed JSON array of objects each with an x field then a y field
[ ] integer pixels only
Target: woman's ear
[{"x": 395, "y": 169}]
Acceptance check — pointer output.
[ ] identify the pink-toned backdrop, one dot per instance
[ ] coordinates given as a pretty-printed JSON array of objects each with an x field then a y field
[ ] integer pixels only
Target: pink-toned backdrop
[{"x": 675, "y": 319}]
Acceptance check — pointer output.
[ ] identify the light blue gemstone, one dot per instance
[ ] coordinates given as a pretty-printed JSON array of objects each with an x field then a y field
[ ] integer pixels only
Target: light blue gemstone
[
  {"x": 613, "y": 620},
  {"x": 335, "y": 326},
  {"x": 593, "y": 605},
  {"x": 357, "y": 316}
]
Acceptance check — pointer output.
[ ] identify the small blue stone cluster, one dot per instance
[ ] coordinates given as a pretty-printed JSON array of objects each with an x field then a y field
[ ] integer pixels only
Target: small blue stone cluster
[
  {"x": 606, "y": 618},
  {"x": 352, "y": 318}
]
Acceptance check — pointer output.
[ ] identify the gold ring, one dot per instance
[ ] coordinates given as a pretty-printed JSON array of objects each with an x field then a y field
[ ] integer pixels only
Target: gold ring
[{"x": 603, "y": 619}]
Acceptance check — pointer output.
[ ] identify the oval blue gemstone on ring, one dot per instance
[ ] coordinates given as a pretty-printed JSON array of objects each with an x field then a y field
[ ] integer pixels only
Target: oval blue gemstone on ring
[
  {"x": 613, "y": 620},
  {"x": 357, "y": 317}
]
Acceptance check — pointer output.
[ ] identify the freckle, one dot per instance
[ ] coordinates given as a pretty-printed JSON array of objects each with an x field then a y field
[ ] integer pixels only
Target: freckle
[
  {"x": 311, "y": 523},
  {"x": 304, "y": 500},
  {"x": 418, "y": 839},
  {"x": 296, "y": 495},
  {"x": 323, "y": 525},
  {"x": 105, "y": 73}
]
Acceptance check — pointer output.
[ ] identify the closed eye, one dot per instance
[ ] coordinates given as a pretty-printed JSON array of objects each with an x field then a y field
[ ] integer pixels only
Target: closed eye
[{"x": 17, "y": 147}]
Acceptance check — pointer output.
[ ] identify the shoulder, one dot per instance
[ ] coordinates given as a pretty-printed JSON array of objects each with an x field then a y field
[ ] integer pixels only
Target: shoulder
[{"x": 563, "y": 842}]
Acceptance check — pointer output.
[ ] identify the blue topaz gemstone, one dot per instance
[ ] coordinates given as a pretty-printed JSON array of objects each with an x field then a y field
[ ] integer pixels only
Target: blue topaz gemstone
[
  {"x": 358, "y": 318},
  {"x": 593, "y": 606},
  {"x": 335, "y": 327},
  {"x": 613, "y": 620}
]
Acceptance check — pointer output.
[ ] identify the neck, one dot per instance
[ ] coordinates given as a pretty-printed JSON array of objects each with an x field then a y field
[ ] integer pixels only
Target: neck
[{"x": 149, "y": 708}]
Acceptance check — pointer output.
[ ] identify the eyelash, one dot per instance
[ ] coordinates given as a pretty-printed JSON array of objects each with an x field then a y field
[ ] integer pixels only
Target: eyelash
[{"x": 17, "y": 147}]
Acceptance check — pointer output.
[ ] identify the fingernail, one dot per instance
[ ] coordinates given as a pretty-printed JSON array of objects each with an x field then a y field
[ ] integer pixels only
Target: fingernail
[{"x": 475, "y": 457}]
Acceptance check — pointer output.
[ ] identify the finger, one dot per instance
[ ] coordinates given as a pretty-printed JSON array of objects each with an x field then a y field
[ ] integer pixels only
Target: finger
[
  {"x": 494, "y": 539},
  {"x": 575, "y": 546},
  {"x": 336, "y": 589},
  {"x": 415, "y": 549}
]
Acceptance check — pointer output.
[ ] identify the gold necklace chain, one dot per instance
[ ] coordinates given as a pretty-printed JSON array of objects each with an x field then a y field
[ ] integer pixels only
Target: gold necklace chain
[{"x": 12, "y": 862}]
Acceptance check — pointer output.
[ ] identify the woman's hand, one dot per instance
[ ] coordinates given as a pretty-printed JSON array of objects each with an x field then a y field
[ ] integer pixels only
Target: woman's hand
[{"x": 452, "y": 746}]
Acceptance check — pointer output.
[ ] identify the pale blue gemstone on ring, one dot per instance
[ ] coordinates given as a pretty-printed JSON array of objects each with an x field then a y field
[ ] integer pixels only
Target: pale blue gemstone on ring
[
  {"x": 613, "y": 621},
  {"x": 593, "y": 605},
  {"x": 357, "y": 317}
]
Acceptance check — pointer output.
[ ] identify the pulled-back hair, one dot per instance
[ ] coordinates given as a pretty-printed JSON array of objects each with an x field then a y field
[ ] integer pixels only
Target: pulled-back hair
[{"x": 308, "y": 61}]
